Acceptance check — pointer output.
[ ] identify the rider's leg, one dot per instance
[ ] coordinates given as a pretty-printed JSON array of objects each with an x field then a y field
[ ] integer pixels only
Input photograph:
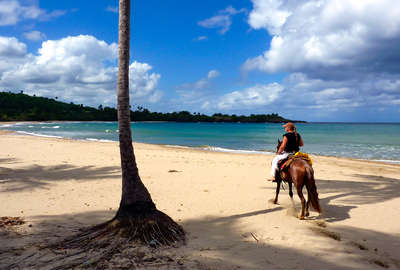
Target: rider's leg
[{"x": 274, "y": 165}]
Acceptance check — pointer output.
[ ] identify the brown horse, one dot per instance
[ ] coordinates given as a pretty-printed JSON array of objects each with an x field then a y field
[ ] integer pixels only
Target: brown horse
[{"x": 301, "y": 174}]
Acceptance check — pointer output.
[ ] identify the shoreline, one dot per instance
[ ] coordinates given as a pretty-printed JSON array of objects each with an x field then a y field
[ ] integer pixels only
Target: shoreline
[{"x": 213, "y": 149}]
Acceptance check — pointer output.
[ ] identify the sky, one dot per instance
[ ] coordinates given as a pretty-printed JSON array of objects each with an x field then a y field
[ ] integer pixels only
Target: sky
[{"x": 316, "y": 60}]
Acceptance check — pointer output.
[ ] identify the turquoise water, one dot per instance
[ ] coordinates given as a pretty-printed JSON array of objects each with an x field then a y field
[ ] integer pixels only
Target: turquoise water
[{"x": 363, "y": 141}]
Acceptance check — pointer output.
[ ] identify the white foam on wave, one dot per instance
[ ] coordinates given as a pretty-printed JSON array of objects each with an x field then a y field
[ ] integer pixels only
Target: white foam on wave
[
  {"x": 52, "y": 127},
  {"x": 235, "y": 151},
  {"x": 387, "y": 161},
  {"x": 98, "y": 140},
  {"x": 38, "y": 135},
  {"x": 24, "y": 123},
  {"x": 221, "y": 149}
]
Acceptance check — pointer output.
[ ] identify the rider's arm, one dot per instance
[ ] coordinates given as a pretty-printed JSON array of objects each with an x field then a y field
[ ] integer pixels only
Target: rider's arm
[
  {"x": 301, "y": 142},
  {"x": 283, "y": 145}
]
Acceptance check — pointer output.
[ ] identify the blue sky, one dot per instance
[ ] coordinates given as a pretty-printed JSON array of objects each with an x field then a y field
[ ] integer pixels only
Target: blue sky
[{"x": 319, "y": 60}]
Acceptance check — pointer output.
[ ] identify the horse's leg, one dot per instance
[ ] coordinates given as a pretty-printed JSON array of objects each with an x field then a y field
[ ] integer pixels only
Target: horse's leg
[
  {"x": 278, "y": 187},
  {"x": 303, "y": 201},
  {"x": 290, "y": 189},
  {"x": 307, "y": 213}
]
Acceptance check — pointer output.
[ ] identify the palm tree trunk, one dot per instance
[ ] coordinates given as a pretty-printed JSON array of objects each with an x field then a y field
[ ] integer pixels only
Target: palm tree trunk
[
  {"x": 134, "y": 193},
  {"x": 137, "y": 215}
]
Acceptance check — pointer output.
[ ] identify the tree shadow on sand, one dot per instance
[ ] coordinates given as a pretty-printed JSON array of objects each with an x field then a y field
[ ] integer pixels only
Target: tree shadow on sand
[
  {"x": 9, "y": 160},
  {"x": 353, "y": 193},
  {"x": 37, "y": 176},
  {"x": 204, "y": 249}
]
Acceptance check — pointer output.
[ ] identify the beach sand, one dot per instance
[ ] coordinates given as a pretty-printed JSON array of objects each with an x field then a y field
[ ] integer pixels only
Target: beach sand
[{"x": 222, "y": 200}]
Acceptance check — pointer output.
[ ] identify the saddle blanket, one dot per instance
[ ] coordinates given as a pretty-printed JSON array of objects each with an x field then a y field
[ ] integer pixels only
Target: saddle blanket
[{"x": 286, "y": 163}]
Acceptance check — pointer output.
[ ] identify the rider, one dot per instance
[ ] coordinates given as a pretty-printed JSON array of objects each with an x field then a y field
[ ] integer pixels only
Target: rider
[{"x": 291, "y": 144}]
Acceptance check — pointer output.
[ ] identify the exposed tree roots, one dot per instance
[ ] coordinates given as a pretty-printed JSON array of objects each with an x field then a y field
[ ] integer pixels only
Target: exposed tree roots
[
  {"x": 98, "y": 244},
  {"x": 153, "y": 229}
]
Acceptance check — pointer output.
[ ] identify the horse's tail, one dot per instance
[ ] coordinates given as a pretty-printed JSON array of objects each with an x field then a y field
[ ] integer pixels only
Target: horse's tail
[{"x": 312, "y": 189}]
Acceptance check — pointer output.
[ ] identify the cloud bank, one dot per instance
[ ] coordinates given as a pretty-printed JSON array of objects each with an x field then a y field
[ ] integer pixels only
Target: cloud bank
[
  {"x": 80, "y": 68},
  {"x": 323, "y": 37},
  {"x": 340, "y": 55}
]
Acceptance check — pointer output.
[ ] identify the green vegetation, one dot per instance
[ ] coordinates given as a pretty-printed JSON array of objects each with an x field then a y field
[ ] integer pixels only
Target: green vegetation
[{"x": 22, "y": 107}]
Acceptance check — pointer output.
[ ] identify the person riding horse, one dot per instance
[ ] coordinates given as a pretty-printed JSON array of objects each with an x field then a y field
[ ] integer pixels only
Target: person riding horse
[
  {"x": 298, "y": 171},
  {"x": 291, "y": 144}
]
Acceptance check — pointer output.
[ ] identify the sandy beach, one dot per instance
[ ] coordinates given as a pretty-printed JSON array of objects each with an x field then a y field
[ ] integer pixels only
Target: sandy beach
[{"x": 222, "y": 200}]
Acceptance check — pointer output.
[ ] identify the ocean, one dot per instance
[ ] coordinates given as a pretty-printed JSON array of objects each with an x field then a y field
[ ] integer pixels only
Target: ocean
[{"x": 370, "y": 141}]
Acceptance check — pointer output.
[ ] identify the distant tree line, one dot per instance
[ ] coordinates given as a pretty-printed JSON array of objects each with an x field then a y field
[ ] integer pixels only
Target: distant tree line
[{"x": 22, "y": 107}]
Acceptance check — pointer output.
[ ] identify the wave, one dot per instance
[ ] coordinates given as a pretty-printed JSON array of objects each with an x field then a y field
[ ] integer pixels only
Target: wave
[
  {"x": 98, "y": 140},
  {"x": 238, "y": 151},
  {"x": 387, "y": 161},
  {"x": 39, "y": 135},
  {"x": 52, "y": 127}
]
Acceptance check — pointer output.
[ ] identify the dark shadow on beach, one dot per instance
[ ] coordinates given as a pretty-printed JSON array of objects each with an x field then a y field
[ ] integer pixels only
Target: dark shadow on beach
[
  {"x": 241, "y": 251},
  {"x": 353, "y": 193},
  {"x": 37, "y": 176},
  {"x": 271, "y": 256},
  {"x": 349, "y": 194}
]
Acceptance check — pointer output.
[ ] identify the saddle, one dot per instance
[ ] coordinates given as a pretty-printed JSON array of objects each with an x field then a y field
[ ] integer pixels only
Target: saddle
[{"x": 284, "y": 164}]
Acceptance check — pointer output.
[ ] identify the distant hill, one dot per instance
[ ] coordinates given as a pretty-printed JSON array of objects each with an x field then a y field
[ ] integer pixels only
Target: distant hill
[{"x": 22, "y": 107}]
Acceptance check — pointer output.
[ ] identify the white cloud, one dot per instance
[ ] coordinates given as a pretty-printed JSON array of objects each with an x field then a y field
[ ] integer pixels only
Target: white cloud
[
  {"x": 316, "y": 96},
  {"x": 213, "y": 74},
  {"x": 12, "y": 52},
  {"x": 223, "y": 20},
  {"x": 200, "y": 38},
  {"x": 81, "y": 69},
  {"x": 205, "y": 105},
  {"x": 268, "y": 14},
  {"x": 112, "y": 9},
  {"x": 10, "y": 47},
  {"x": 391, "y": 85},
  {"x": 200, "y": 84},
  {"x": 142, "y": 83},
  {"x": 156, "y": 96},
  {"x": 320, "y": 37},
  {"x": 259, "y": 95},
  {"x": 11, "y": 12},
  {"x": 34, "y": 35},
  {"x": 192, "y": 95}
]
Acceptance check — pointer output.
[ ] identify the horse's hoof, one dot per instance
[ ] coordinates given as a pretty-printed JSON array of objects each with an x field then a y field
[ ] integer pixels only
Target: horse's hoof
[
  {"x": 301, "y": 217},
  {"x": 307, "y": 214},
  {"x": 276, "y": 202}
]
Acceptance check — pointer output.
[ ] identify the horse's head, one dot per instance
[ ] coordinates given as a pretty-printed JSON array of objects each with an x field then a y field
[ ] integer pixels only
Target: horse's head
[{"x": 279, "y": 144}]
